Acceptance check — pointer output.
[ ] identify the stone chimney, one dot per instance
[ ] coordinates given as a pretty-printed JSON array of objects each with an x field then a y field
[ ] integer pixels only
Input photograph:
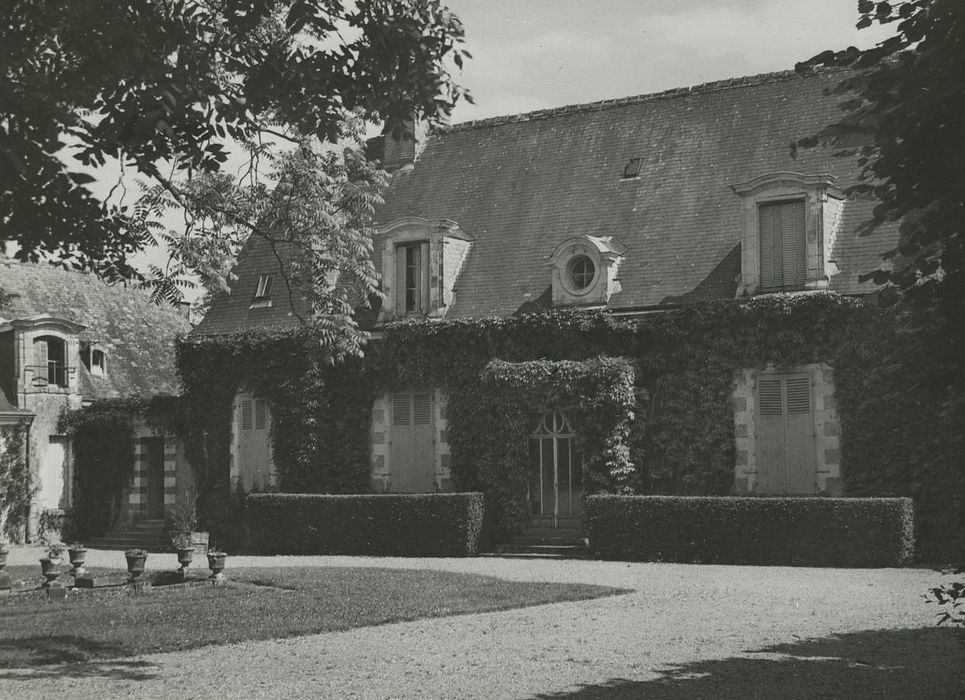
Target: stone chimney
[{"x": 398, "y": 151}]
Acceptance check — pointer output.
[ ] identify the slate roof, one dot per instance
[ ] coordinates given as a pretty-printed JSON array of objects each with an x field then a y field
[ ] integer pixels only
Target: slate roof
[
  {"x": 521, "y": 184},
  {"x": 137, "y": 336}
]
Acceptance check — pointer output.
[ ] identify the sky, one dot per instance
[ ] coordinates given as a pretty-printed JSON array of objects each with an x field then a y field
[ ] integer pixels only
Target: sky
[{"x": 536, "y": 54}]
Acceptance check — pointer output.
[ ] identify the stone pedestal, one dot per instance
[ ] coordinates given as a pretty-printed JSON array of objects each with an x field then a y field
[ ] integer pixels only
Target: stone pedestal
[
  {"x": 84, "y": 581},
  {"x": 56, "y": 592}
]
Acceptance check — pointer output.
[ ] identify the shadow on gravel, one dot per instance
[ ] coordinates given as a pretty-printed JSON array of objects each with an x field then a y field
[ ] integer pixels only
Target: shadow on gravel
[
  {"x": 68, "y": 657},
  {"x": 924, "y": 663}
]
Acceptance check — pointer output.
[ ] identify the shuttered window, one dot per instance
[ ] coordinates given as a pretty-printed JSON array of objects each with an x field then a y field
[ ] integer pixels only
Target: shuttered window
[
  {"x": 786, "y": 451},
  {"x": 246, "y": 413},
  {"x": 261, "y": 417},
  {"x": 412, "y": 279},
  {"x": 782, "y": 241},
  {"x": 411, "y": 453}
]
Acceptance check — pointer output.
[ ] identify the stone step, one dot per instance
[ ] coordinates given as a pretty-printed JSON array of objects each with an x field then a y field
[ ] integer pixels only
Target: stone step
[
  {"x": 549, "y": 539},
  {"x": 567, "y": 551}
]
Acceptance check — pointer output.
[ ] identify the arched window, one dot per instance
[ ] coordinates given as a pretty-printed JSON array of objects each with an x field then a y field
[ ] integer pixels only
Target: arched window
[
  {"x": 556, "y": 484},
  {"x": 50, "y": 360}
]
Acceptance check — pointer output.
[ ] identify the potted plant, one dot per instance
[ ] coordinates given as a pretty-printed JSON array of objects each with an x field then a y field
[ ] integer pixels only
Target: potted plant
[
  {"x": 55, "y": 552},
  {"x": 216, "y": 562},
  {"x": 185, "y": 549},
  {"x": 136, "y": 559},
  {"x": 78, "y": 555},
  {"x": 183, "y": 519}
]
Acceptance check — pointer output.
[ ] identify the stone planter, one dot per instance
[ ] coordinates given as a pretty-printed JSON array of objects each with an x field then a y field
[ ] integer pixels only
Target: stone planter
[
  {"x": 216, "y": 562},
  {"x": 50, "y": 568},
  {"x": 135, "y": 565},
  {"x": 185, "y": 557},
  {"x": 77, "y": 555}
]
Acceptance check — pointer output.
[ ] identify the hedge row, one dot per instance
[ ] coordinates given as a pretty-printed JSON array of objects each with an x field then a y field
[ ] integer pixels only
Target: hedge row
[
  {"x": 404, "y": 525},
  {"x": 768, "y": 531}
]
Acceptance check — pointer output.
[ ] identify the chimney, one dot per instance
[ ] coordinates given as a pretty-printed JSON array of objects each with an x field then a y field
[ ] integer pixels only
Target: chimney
[{"x": 399, "y": 150}]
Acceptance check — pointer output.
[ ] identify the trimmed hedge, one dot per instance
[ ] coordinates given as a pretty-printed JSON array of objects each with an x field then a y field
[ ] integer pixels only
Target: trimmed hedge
[
  {"x": 740, "y": 530},
  {"x": 403, "y": 525}
]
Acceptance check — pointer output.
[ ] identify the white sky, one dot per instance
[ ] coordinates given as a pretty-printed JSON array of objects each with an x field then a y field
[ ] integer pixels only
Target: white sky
[{"x": 536, "y": 54}]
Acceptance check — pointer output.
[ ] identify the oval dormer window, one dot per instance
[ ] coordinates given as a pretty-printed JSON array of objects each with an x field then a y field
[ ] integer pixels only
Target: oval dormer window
[{"x": 581, "y": 273}]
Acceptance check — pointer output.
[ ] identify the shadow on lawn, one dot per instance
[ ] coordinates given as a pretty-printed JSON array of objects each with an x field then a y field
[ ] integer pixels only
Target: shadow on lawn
[
  {"x": 876, "y": 663},
  {"x": 67, "y": 657}
]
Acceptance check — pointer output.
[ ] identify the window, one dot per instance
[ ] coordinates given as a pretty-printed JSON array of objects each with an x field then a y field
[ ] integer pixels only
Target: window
[
  {"x": 50, "y": 361},
  {"x": 412, "y": 279},
  {"x": 262, "y": 292},
  {"x": 98, "y": 362},
  {"x": 786, "y": 446},
  {"x": 411, "y": 449},
  {"x": 782, "y": 240},
  {"x": 790, "y": 224},
  {"x": 582, "y": 271},
  {"x": 556, "y": 482},
  {"x": 632, "y": 168}
]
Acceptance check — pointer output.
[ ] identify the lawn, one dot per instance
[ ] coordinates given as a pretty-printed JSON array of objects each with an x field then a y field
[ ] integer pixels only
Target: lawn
[{"x": 256, "y": 604}]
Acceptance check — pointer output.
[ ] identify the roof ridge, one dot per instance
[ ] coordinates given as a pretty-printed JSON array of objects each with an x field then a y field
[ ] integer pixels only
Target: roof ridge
[{"x": 699, "y": 89}]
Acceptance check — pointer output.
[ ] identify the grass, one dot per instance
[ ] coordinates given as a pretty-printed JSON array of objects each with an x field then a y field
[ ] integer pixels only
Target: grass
[{"x": 257, "y": 604}]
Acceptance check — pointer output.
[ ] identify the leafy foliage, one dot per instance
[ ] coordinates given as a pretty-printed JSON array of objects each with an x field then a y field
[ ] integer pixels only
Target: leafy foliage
[
  {"x": 16, "y": 482},
  {"x": 763, "y": 531},
  {"x": 102, "y": 439},
  {"x": 401, "y": 525},
  {"x": 168, "y": 90},
  {"x": 950, "y": 598}
]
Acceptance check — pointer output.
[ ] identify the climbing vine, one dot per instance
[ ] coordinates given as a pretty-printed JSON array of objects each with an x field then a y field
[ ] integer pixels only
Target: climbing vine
[{"x": 16, "y": 483}]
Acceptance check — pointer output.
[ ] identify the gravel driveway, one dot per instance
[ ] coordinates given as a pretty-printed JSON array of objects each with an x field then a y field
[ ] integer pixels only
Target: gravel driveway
[{"x": 683, "y": 631}]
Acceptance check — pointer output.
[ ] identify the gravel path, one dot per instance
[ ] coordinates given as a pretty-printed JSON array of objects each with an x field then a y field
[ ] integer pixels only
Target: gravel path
[{"x": 675, "y": 615}]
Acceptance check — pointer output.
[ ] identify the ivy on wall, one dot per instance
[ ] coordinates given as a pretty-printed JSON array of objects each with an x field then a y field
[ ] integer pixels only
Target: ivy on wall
[
  {"x": 663, "y": 416},
  {"x": 16, "y": 482},
  {"x": 102, "y": 443}
]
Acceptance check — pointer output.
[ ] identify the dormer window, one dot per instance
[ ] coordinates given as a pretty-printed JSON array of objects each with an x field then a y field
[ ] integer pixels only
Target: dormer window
[
  {"x": 98, "y": 360},
  {"x": 50, "y": 361},
  {"x": 585, "y": 269},
  {"x": 94, "y": 360},
  {"x": 412, "y": 278},
  {"x": 262, "y": 292},
  {"x": 632, "y": 168},
  {"x": 421, "y": 261},
  {"x": 581, "y": 272},
  {"x": 790, "y": 222}
]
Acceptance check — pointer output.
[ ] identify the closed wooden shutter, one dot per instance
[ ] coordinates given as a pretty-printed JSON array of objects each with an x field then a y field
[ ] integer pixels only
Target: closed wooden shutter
[
  {"x": 261, "y": 414},
  {"x": 786, "y": 452},
  {"x": 783, "y": 256},
  {"x": 411, "y": 454},
  {"x": 40, "y": 353},
  {"x": 246, "y": 413}
]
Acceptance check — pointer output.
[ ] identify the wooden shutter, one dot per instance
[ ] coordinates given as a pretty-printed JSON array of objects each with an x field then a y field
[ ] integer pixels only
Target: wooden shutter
[
  {"x": 411, "y": 453},
  {"x": 400, "y": 285},
  {"x": 785, "y": 454},
  {"x": 40, "y": 353},
  {"x": 783, "y": 256},
  {"x": 770, "y": 436},
  {"x": 261, "y": 412},
  {"x": 799, "y": 440},
  {"x": 246, "y": 422}
]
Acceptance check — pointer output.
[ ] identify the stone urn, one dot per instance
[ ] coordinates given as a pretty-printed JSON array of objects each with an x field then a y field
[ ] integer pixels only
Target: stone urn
[
  {"x": 216, "y": 561},
  {"x": 50, "y": 568},
  {"x": 78, "y": 555},
  {"x": 136, "y": 560},
  {"x": 185, "y": 557}
]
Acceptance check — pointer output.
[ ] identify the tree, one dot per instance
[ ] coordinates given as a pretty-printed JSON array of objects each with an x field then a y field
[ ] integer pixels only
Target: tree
[
  {"x": 906, "y": 100},
  {"x": 904, "y": 104},
  {"x": 167, "y": 88}
]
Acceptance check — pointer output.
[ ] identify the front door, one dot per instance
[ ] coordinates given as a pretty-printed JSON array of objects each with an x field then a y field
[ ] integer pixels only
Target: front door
[
  {"x": 154, "y": 449},
  {"x": 556, "y": 489}
]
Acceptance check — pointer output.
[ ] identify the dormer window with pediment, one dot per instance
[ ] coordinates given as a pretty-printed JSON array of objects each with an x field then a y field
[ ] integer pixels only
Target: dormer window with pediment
[
  {"x": 585, "y": 270},
  {"x": 421, "y": 262},
  {"x": 790, "y": 222}
]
